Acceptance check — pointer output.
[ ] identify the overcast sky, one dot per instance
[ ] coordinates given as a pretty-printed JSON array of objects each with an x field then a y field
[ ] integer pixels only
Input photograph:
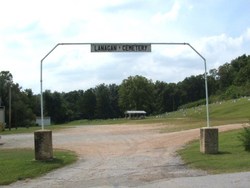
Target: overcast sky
[{"x": 29, "y": 29}]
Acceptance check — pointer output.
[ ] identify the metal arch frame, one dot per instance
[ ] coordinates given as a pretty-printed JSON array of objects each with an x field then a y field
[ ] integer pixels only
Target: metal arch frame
[{"x": 163, "y": 43}]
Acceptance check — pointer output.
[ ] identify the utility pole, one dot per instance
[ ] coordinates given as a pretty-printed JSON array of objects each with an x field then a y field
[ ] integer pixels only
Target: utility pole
[{"x": 10, "y": 107}]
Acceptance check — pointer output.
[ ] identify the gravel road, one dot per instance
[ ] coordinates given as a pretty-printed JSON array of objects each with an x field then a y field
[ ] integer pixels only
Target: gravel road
[{"x": 124, "y": 156}]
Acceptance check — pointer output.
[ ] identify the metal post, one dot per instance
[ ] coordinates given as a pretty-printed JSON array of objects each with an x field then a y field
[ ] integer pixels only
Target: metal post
[
  {"x": 41, "y": 81},
  {"x": 206, "y": 87},
  {"x": 41, "y": 84}
]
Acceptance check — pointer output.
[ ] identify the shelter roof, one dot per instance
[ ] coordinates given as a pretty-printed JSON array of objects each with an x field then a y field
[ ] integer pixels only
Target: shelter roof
[{"x": 135, "y": 112}]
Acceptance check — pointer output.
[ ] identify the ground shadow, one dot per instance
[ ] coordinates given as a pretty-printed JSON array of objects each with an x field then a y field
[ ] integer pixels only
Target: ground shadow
[{"x": 223, "y": 153}]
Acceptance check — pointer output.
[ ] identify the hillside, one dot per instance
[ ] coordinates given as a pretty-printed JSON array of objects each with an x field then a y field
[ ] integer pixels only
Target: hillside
[{"x": 221, "y": 112}]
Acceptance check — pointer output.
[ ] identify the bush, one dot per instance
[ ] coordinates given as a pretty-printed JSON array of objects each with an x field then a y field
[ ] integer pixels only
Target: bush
[
  {"x": 245, "y": 138},
  {"x": 1, "y": 127}
]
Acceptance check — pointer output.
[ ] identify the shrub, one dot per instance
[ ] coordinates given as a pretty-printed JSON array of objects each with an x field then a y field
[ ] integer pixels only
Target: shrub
[
  {"x": 245, "y": 138},
  {"x": 1, "y": 127}
]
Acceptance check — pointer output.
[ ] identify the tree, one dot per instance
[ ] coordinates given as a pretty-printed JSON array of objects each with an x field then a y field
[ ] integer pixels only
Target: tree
[
  {"x": 21, "y": 110},
  {"x": 88, "y": 104},
  {"x": 241, "y": 67},
  {"x": 136, "y": 93},
  {"x": 55, "y": 107},
  {"x": 160, "y": 97},
  {"x": 73, "y": 103},
  {"x": 226, "y": 76},
  {"x": 6, "y": 80},
  {"x": 22, "y": 114},
  {"x": 32, "y": 101},
  {"x": 114, "y": 98},
  {"x": 213, "y": 82},
  {"x": 103, "y": 103},
  {"x": 194, "y": 88}
]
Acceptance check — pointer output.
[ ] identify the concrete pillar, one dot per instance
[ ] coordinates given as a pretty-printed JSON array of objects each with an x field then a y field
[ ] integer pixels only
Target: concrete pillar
[
  {"x": 43, "y": 145},
  {"x": 209, "y": 140}
]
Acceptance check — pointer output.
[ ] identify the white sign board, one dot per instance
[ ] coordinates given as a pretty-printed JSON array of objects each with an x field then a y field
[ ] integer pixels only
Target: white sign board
[
  {"x": 121, "y": 47},
  {"x": 46, "y": 121}
]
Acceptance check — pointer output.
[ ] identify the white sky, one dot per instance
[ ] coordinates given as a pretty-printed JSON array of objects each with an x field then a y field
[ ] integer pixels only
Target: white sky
[{"x": 29, "y": 29}]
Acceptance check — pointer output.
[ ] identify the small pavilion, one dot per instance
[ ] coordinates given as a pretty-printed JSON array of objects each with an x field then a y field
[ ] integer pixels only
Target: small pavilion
[{"x": 135, "y": 114}]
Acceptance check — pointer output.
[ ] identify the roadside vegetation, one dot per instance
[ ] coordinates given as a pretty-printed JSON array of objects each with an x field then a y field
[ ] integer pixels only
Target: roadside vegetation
[
  {"x": 232, "y": 156},
  {"x": 221, "y": 113},
  {"x": 19, "y": 164}
]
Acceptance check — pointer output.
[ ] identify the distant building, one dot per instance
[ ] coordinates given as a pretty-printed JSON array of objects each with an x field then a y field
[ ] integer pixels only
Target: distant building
[
  {"x": 135, "y": 114},
  {"x": 46, "y": 121}
]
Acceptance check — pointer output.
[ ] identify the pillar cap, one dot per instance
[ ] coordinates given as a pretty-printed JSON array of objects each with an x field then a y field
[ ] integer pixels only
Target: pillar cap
[
  {"x": 209, "y": 128},
  {"x": 43, "y": 131}
]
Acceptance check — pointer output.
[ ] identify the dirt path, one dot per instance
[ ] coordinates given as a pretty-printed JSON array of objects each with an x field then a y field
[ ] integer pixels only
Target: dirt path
[{"x": 115, "y": 156}]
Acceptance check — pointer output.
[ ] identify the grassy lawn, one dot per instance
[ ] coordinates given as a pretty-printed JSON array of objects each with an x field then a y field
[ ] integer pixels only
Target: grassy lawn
[
  {"x": 231, "y": 157},
  {"x": 19, "y": 164}
]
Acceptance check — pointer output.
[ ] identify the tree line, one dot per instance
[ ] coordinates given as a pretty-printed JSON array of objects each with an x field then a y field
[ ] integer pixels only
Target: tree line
[{"x": 231, "y": 80}]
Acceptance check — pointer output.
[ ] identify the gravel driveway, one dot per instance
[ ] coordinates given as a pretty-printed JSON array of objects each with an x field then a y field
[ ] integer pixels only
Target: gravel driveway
[{"x": 124, "y": 156}]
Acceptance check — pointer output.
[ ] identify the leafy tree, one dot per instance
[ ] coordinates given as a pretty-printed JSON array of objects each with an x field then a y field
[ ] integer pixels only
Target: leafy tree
[
  {"x": 6, "y": 80},
  {"x": 32, "y": 101},
  {"x": 241, "y": 67},
  {"x": 103, "y": 103},
  {"x": 175, "y": 97},
  {"x": 22, "y": 114},
  {"x": 114, "y": 98},
  {"x": 55, "y": 107},
  {"x": 226, "y": 76},
  {"x": 21, "y": 110},
  {"x": 194, "y": 88},
  {"x": 88, "y": 104},
  {"x": 73, "y": 103},
  {"x": 136, "y": 93},
  {"x": 167, "y": 97},
  {"x": 212, "y": 81},
  {"x": 160, "y": 97}
]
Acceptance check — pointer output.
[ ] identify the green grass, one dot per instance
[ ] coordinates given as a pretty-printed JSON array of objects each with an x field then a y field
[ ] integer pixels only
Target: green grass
[
  {"x": 221, "y": 113},
  {"x": 19, "y": 164},
  {"x": 234, "y": 110},
  {"x": 231, "y": 157}
]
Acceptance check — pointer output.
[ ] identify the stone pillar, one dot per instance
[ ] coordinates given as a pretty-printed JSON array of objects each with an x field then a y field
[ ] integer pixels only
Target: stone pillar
[
  {"x": 43, "y": 145},
  {"x": 209, "y": 140}
]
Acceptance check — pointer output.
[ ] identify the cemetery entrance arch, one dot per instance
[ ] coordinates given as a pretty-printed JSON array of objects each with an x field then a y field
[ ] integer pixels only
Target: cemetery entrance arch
[{"x": 121, "y": 47}]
